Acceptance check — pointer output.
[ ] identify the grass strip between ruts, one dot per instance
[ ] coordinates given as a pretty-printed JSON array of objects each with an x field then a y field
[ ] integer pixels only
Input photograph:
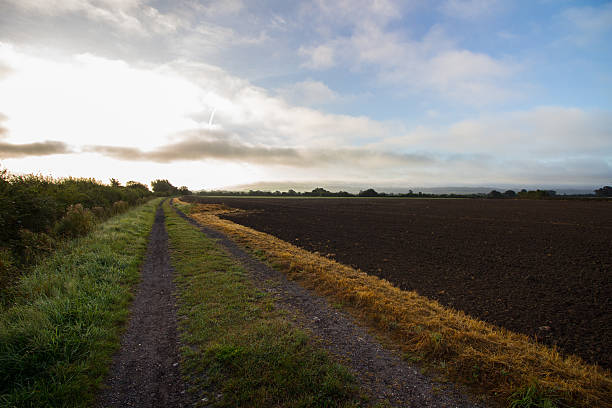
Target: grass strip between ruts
[
  {"x": 505, "y": 365},
  {"x": 58, "y": 336},
  {"x": 239, "y": 349}
]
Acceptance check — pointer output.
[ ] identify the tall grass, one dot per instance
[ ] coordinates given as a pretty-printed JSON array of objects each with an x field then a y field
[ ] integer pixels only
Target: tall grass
[{"x": 57, "y": 336}]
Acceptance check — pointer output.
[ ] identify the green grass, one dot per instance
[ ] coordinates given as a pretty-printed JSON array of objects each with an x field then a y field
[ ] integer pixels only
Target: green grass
[
  {"x": 240, "y": 350},
  {"x": 58, "y": 335},
  {"x": 531, "y": 396}
]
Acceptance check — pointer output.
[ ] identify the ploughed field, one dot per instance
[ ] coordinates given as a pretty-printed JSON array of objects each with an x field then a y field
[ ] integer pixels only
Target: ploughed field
[{"x": 543, "y": 268}]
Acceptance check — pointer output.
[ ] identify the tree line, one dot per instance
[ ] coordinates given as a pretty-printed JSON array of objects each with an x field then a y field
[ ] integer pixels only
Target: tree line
[{"x": 605, "y": 191}]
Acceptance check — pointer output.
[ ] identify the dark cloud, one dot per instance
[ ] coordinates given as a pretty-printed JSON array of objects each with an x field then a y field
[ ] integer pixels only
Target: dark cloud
[
  {"x": 215, "y": 145},
  {"x": 10, "y": 150}
]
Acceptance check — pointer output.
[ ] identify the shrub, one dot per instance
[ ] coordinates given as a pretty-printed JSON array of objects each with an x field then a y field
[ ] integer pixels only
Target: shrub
[
  {"x": 34, "y": 244},
  {"x": 120, "y": 207},
  {"x": 8, "y": 271},
  {"x": 77, "y": 221},
  {"x": 100, "y": 212}
]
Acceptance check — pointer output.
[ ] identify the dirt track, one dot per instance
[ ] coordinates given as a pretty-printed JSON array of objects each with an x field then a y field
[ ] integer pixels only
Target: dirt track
[
  {"x": 381, "y": 373},
  {"x": 535, "y": 267},
  {"x": 146, "y": 372}
]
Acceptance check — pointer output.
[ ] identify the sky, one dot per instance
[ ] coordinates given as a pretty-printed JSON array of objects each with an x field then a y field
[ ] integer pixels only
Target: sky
[{"x": 210, "y": 94}]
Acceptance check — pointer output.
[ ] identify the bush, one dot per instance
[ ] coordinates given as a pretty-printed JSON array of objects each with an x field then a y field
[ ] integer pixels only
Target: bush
[
  {"x": 120, "y": 207},
  {"x": 36, "y": 210},
  {"x": 34, "y": 244},
  {"x": 100, "y": 212},
  {"x": 77, "y": 221},
  {"x": 8, "y": 271}
]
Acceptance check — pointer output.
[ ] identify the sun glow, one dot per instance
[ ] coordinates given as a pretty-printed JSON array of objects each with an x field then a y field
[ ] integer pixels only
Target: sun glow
[{"x": 87, "y": 100}]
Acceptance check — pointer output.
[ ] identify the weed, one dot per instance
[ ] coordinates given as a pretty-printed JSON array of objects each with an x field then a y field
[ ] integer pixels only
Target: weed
[
  {"x": 531, "y": 397},
  {"x": 436, "y": 338}
]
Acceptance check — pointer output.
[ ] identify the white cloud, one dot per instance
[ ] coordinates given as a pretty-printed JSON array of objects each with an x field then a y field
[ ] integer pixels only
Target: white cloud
[
  {"x": 469, "y": 9},
  {"x": 543, "y": 133},
  {"x": 307, "y": 93},
  {"x": 87, "y": 99},
  {"x": 432, "y": 64},
  {"x": 355, "y": 11},
  {"x": 587, "y": 23},
  {"x": 130, "y": 16},
  {"x": 319, "y": 57},
  {"x": 218, "y": 8}
]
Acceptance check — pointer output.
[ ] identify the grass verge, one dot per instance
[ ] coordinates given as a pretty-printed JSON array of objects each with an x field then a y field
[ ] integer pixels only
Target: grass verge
[
  {"x": 490, "y": 359},
  {"x": 239, "y": 348},
  {"x": 58, "y": 335}
]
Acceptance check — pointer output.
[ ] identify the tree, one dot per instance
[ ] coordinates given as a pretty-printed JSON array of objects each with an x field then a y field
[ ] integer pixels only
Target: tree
[
  {"x": 163, "y": 187},
  {"x": 136, "y": 186},
  {"x": 605, "y": 191},
  {"x": 320, "y": 192},
  {"x": 370, "y": 192},
  {"x": 510, "y": 193},
  {"x": 183, "y": 190},
  {"x": 115, "y": 183},
  {"x": 494, "y": 194}
]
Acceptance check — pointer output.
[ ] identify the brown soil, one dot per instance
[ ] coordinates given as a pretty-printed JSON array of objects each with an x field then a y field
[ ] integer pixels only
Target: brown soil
[
  {"x": 537, "y": 267},
  {"x": 146, "y": 371},
  {"x": 381, "y": 373}
]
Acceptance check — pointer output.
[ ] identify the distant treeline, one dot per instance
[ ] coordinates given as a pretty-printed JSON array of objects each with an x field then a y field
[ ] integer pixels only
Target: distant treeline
[
  {"x": 37, "y": 212},
  {"x": 370, "y": 192},
  {"x": 321, "y": 192},
  {"x": 164, "y": 188}
]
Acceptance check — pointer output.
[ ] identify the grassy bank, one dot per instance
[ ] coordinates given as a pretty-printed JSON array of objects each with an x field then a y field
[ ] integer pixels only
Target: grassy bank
[
  {"x": 509, "y": 367},
  {"x": 58, "y": 335},
  {"x": 239, "y": 348},
  {"x": 37, "y": 214}
]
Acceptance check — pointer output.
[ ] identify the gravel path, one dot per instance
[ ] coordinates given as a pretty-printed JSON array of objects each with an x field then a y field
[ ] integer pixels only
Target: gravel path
[
  {"x": 146, "y": 372},
  {"x": 380, "y": 372}
]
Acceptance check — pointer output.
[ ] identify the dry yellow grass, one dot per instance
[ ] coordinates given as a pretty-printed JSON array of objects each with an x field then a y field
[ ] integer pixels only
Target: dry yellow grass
[{"x": 484, "y": 356}]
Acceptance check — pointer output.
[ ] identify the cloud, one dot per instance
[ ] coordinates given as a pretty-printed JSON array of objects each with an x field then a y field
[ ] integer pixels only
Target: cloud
[
  {"x": 587, "y": 24},
  {"x": 207, "y": 144},
  {"x": 351, "y": 12},
  {"x": 218, "y": 8},
  {"x": 9, "y": 150},
  {"x": 432, "y": 63},
  {"x": 5, "y": 71},
  {"x": 546, "y": 133},
  {"x": 130, "y": 16},
  {"x": 12, "y": 150},
  {"x": 469, "y": 9},
  {"x": 3, "y": 130},
  {"x": 308, "y": 93},
  {"x": 319, "y": 57}
]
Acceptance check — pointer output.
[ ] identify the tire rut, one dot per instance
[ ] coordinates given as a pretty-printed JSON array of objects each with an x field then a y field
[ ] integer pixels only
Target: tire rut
[{"x": 146, "y": 370}]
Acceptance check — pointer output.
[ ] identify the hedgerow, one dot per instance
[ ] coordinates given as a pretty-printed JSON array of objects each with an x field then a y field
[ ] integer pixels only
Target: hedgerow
[{"x": 36, "y": 212}]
